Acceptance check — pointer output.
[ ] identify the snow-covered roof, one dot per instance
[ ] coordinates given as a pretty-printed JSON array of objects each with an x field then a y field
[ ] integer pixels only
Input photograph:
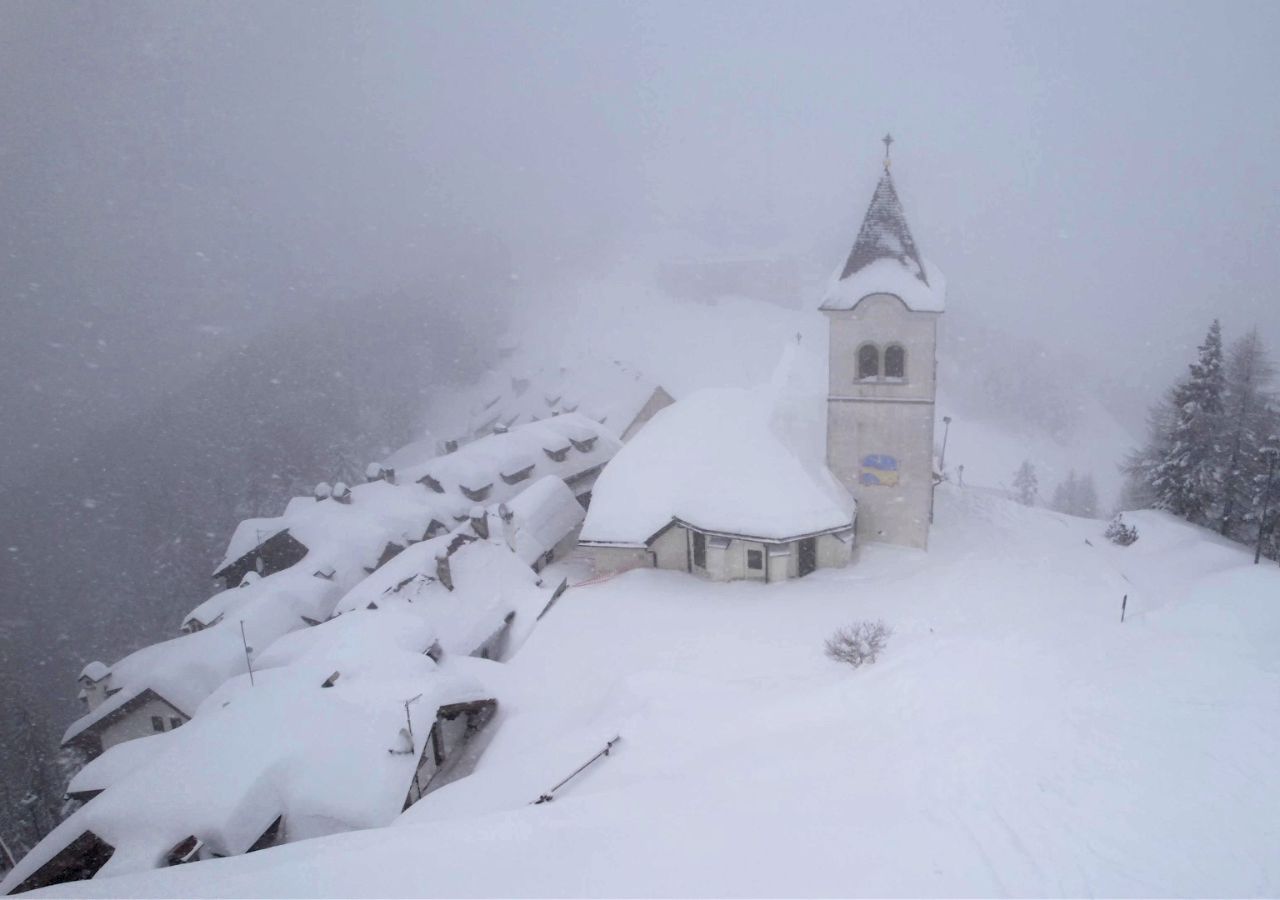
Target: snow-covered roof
[
  {"x": 541, "y": 517},
  {"x": 714, "y": 461},
  {"x": 489, "y": 583},
  {"x": 283, "y": 746},
  {"x": 482, "y": 463},
  {"x": 117, "y": 762},
  {"x": 185, "y": 670},
  {"x": 95, "y": 671},
  {"x": 607, "y": 391},
  {"x": 347, "y": 535},
  {"x": 885, "y": 260}
]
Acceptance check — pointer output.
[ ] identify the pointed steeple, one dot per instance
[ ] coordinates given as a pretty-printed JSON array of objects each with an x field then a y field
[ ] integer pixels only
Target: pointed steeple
[{"x": 884, "y": 234}]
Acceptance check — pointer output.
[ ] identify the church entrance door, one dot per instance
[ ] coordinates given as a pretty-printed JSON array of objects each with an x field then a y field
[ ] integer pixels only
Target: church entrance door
[{"x": 808, "y": 556}]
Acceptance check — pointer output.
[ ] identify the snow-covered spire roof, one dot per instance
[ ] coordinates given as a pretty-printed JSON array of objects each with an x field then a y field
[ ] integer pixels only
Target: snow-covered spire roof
[
  {"x": 884, "y": 234},
  {"x": 885, "y": 259}
]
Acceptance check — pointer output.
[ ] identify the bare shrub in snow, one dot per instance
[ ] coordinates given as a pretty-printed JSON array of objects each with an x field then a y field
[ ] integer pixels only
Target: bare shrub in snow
[
  {"x": 1119, "y": 533},
  {"x": 858, "y": 643}
]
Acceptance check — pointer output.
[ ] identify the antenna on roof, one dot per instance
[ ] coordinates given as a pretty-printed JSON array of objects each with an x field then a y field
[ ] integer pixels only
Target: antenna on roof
[
  {"x": 247, "y": 661},
  {"x": 887, "y": 140}
]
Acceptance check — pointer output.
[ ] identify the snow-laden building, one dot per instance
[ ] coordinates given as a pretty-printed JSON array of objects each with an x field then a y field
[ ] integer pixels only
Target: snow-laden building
[
  {"x": 712, "y": 487},
  {"x": 882, "y": 307},
  {"x": 342, "y": 728}
]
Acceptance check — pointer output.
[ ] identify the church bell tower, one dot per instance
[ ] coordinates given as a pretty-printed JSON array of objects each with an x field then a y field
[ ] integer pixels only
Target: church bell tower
[{"x": 882, "y": 310}]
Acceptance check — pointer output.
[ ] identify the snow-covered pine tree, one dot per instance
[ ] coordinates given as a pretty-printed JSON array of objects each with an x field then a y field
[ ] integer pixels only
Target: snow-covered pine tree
[
  {"x": 1188, "y": 480},
  {"x": 1025, "y": 485},
  {"x": 1249, "y": 418}
]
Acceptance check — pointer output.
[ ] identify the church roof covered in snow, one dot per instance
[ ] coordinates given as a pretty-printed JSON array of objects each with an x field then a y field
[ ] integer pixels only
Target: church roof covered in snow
[
  {"x": 713, "y": 461},
  {"x": 885, "y": 260}
]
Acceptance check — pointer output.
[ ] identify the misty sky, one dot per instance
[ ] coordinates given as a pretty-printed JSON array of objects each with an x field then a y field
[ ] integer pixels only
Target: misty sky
[{"x": 174, "y": 176}]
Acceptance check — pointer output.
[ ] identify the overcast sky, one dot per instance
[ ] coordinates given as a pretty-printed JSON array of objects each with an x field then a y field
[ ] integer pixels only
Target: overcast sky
[{"x": 175, "y": 175}]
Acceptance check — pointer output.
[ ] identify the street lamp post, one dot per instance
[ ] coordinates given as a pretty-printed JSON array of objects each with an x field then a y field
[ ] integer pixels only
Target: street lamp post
[
  {"x": 946, "y": 430},
  {"x": 1271, "y": 451}
]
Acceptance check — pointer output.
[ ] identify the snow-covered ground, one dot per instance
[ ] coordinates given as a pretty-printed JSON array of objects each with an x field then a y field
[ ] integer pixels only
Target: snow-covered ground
[{"x": 1015, "y": 739}]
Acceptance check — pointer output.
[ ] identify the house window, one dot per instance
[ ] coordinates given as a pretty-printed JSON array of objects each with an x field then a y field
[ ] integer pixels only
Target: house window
[
  {"x": 157, "y": 723},
  {"x": 174, "y": 721},
  {"x": 895, "y": 361},
  {"x": 700, "y": 549},
  {"x": 868, "y": 362},
  {"x": 755, "y": 559}
]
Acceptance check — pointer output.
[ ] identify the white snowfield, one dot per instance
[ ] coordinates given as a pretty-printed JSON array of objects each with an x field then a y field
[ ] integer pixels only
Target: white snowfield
[{"x": 1014, "y": 739}]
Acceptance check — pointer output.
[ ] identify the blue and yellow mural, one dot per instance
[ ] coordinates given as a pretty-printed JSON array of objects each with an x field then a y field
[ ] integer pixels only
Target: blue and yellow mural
[{"x": 879, "y": 469}]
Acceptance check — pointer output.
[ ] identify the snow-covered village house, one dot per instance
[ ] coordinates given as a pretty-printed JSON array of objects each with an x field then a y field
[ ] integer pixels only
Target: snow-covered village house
[
  {"x": 711, "y": 487},
  {"x": 882, "y": 310}
]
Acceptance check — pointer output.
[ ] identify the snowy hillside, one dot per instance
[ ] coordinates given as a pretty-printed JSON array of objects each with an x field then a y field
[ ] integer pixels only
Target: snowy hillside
[{"x": 1016, "y": 738}]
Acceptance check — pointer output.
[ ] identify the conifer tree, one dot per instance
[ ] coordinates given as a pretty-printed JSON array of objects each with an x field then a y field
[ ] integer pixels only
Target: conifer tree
[
  {"x": 1025, "y": 485},
  {"x": 1188, "y": 480},
  {"x": 1248, "y": 421}
]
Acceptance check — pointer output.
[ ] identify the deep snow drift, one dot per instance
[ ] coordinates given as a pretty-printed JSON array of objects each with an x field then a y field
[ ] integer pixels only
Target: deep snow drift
[{"x": 1016, "y": 738}]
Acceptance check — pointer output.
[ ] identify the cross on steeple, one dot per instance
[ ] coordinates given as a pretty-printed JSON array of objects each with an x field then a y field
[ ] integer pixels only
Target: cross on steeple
[{"x": 887, "y": 140}]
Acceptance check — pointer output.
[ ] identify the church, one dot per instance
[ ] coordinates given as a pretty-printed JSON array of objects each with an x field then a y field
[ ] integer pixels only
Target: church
[
  {"x": 882, "y": 313},
  {"x": 716, "y": 486}
]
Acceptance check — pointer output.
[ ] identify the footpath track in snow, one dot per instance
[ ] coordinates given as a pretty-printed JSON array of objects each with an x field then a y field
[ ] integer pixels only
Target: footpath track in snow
[{"x": 1015, "y": 738}]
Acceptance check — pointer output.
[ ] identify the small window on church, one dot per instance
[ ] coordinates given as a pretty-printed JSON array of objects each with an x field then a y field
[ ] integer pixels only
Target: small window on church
[
  {"x": 895, "y": 362},
  {"x": 157, "y": 723},
  {"x": 868, "y": 362}
]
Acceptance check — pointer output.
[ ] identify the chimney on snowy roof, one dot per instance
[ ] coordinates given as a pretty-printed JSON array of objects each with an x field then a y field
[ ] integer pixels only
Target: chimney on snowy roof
[
  {"x": 480, "y": 522},
  {"x": 443, "y": 574}
]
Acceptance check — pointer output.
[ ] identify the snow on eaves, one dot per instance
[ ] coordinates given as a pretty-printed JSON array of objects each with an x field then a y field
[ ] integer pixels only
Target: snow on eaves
[
  {"x": 888, "y": 276},
  {"x": 712, "y": 460},
  {"x": 185, "y": 670},
  {"x": 541, "y": 517}
]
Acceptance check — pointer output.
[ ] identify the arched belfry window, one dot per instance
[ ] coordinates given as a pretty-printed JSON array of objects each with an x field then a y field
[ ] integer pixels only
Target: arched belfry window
[
  {"x": 868, "y": 362},
  {"x": 895, "y": 362}
]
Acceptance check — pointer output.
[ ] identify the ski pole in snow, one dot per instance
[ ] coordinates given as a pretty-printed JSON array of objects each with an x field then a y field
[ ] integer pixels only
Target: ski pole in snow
[
  {"x": 550, "y": 795},
  {"x": 1123, "y": 603}
]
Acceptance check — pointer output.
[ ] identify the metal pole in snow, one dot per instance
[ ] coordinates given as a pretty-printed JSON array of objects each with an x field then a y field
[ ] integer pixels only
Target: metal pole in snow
[
  {"x": 247, "y": 661},
  {"x": 1123, "y": 604}
]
